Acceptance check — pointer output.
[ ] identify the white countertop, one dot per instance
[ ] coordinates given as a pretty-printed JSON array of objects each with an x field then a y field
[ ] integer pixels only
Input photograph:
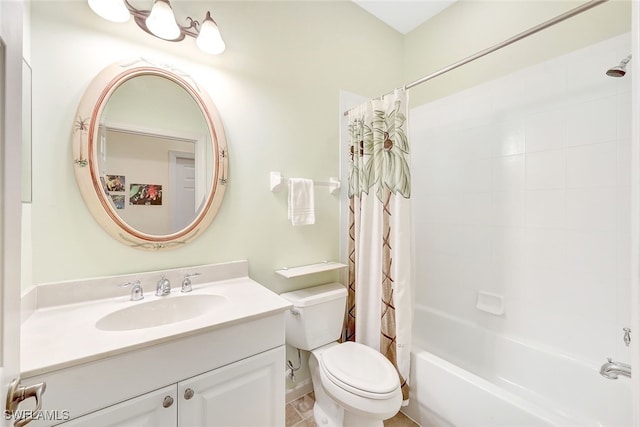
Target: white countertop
[{"x": 59, "y": 336}]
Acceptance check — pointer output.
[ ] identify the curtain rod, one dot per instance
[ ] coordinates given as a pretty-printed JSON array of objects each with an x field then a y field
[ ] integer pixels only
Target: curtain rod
[{"x": 553, "y": 21}]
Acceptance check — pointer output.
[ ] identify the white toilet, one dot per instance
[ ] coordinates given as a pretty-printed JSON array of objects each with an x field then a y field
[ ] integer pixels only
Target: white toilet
[{"x": 354, "y": 385}]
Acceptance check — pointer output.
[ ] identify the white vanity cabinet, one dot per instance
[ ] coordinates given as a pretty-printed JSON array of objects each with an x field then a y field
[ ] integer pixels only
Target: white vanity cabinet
[
  {"x": 236, "y": 373},
  {"x": 214, "y": 356},
  {"x": 242, "y": 394}
]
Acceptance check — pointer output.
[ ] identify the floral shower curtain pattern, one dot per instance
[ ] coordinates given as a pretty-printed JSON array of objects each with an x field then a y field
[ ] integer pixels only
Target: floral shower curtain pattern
[{"x": 379, "y": 306}]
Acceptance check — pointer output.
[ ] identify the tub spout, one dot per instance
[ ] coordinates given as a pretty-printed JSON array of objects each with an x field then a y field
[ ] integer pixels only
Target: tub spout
[{"x": 611, "y": 369}]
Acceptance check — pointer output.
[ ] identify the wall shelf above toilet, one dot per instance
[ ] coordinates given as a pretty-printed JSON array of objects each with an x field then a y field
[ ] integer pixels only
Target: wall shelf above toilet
[{"x": 303, "y": 270}]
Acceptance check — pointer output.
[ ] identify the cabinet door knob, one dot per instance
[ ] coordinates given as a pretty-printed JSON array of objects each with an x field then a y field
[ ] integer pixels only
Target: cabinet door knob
[
  {"x": 168, "y": 401},
  {"x": 188, "y": 393}
]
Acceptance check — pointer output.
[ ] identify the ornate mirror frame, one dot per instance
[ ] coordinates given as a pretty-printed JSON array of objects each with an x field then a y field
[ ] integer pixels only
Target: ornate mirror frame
[{"x": 85, "y": 155}]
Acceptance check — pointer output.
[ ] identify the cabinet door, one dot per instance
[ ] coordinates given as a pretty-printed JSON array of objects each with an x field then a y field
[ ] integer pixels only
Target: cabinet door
[
  {"x": 247, "y": 393},
  {"x": 155, "y": 409}
]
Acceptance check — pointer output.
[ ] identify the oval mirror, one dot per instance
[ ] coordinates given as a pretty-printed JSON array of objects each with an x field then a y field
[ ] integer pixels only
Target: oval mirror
[{"x": 150, "y": 155}]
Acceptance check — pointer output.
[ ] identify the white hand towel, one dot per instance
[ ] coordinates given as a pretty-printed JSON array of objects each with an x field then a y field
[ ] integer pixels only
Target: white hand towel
[{"x": 301, "y": 204}]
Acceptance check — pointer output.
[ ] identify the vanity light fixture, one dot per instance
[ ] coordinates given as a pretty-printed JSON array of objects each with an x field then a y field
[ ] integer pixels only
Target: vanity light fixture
[{"x": 160, "y": 22}]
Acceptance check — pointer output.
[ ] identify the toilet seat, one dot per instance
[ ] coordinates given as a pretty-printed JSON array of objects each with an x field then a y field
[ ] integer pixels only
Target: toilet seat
[{"x": 360, "y": 370}]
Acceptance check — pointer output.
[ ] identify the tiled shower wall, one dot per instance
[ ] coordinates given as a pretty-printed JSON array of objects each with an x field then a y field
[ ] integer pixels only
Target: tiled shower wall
[{"x": 521, "y": 188}]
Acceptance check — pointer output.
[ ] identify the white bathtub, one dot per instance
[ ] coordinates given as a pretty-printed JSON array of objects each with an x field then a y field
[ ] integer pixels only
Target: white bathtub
[{"x": 497, "y": 381}]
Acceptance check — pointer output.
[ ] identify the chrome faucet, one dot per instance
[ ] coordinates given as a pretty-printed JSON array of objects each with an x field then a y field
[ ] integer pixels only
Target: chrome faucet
[
  {"x": 611, "y": 369},
  {"x": 136, "y": 290},
  {"x": 163, "y": 287},
  {"x": 186, "y": 282}
]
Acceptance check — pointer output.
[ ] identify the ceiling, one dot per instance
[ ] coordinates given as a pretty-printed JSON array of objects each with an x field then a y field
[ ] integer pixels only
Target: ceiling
[{"x": 404, "y": 15}]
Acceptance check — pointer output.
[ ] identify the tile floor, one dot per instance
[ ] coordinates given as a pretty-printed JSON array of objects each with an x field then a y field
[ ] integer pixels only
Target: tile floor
[{"x": 300, "y": 414}]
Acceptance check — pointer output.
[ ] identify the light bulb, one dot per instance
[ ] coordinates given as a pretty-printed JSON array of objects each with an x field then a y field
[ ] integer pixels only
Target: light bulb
[
  {"x": 161, "y": 21},
  {"x": 209, "y": 39},
  {"x": 111, "y": 10}
]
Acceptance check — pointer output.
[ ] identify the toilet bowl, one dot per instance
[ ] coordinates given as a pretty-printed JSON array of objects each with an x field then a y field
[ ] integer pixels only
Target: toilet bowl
[{"x": 354, "y": 385}]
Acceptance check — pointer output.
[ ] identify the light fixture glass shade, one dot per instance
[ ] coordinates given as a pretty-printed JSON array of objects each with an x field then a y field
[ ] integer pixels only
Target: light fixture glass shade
[
  {"x": 209, "y": 39},
  {"x": 111, "y": 10},
  {"x": 161, "y": 21}
]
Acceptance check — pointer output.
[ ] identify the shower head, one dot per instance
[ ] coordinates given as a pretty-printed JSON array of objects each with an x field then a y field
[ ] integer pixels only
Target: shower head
[{"x": 619, "y": 70}]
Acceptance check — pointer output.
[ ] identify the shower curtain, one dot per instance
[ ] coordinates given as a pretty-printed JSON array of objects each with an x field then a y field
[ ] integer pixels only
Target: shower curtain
[{"x": 379, "y": 305}]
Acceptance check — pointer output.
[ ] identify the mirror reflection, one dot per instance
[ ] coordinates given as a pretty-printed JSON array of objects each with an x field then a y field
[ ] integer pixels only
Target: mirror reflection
[{"x": 155, "y": 159}]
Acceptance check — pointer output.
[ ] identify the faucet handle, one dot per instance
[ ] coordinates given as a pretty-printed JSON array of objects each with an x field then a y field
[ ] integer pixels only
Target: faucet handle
[
  {"x": 186, "y": 282},
  {"x": 127, "y": 284},
  {"x": 136, "y": 290}
]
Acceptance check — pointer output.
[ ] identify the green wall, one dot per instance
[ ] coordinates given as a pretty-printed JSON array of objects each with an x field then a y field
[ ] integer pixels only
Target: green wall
[{"x": 277, "y": 90}]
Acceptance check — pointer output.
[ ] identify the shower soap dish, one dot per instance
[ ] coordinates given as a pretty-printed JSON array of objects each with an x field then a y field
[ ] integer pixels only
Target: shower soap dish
[{"x": 490, "y": 303}]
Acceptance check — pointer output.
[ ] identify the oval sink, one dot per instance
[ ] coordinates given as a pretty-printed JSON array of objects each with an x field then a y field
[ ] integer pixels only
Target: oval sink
[{"x": 159, "y": 312}]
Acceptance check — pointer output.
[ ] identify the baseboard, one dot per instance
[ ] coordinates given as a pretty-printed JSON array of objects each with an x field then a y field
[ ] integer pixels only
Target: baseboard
[{"x": 302, "y": 388}]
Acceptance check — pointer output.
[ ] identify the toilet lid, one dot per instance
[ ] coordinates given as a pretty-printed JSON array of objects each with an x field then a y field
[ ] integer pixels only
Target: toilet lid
[{"x": 360, "y": 369}]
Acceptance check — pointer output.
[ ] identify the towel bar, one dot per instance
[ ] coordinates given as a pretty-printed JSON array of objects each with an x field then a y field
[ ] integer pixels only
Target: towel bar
[{"x": 277, "y": 181}]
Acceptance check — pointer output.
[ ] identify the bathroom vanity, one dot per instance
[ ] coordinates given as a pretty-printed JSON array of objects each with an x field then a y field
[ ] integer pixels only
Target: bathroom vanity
[{"x": 212, "y": 356}]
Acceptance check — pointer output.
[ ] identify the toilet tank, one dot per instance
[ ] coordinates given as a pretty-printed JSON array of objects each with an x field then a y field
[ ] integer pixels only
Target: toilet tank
[{"x": 317, "y": 315}]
